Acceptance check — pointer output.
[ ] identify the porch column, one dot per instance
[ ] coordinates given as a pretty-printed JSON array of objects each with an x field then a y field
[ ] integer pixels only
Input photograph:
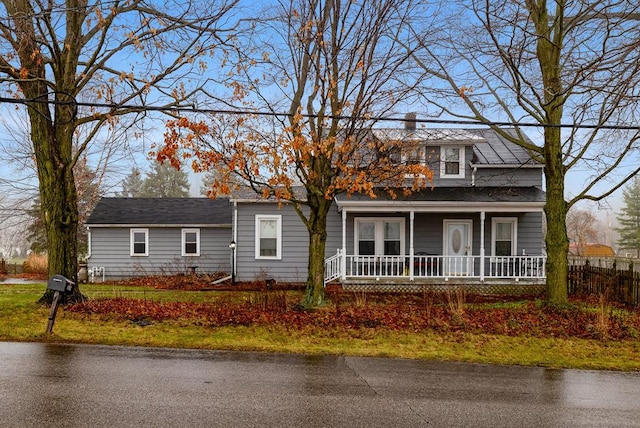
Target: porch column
[
  {"x": 343, "y": 259},
  {"x": 482, "y": 218},
  {"x": 411, "y": 221}
]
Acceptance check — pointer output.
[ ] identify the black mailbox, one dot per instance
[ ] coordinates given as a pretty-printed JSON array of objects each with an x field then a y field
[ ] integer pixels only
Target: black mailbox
[{"x": 60, "y": 283}]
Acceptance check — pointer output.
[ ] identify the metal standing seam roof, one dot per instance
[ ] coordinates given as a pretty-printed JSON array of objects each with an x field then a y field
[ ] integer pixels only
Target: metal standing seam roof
[
  {"x": 161, "y": 211},
  {"x": 489, "y": 148},
  {"x": 500, "y": 151},
  {"x": 430, "y": 135}
]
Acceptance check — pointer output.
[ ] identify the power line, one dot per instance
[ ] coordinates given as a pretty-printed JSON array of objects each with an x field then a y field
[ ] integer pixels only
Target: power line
[{"x": 194, "y": 109}]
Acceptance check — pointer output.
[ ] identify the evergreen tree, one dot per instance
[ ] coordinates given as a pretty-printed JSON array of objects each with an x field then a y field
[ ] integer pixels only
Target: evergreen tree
[
  {"x": 629, "y": 218},
  {"x": 164, "y": 181},
  {"x": 132, "y": 185}
]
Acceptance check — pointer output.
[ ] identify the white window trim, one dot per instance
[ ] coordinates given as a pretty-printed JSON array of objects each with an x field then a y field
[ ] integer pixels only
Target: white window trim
[
  {"x": 146, "y": 242},
  {"x": 278, "y": 219},
  {"x": 443, "y": 169},
  {"x": 514, "y": 233},
  {"x": 184, "y": 242},
  {"x": 379, "y": 233}
]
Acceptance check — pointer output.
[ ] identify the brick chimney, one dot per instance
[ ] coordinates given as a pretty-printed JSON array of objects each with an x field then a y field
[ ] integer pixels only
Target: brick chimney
[{"x": 410, "y": 121}]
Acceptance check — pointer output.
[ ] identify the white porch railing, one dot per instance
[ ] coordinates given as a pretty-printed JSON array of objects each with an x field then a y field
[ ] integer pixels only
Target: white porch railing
[
  {"x": 332, "y": 267},
  {"x": 433, "y": 266}
]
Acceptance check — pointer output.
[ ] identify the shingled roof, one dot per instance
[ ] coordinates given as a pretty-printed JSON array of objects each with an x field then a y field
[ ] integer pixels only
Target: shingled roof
[{"x": 161, "y": 211}]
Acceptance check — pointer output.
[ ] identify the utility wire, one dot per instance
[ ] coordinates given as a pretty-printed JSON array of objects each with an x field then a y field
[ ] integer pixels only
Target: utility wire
[{"x": 194, "y": 109}]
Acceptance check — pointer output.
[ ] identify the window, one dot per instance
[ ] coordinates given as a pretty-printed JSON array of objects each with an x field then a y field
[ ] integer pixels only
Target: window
[
  {"x": 452, "y": 162},
  {"x": 415, "y": 155},
  {"x": 190, "y": 242},
  {"x": 268, "y": 237},
  {"x": 366, "y": 238},
  {"x": 379, "y": 236},
  {"x": 503, "y": 236},
  {"x": 139, "y": 242}
]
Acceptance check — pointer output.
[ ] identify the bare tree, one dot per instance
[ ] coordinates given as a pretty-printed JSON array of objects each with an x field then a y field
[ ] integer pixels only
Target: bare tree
[
  {"x": 582, "y": 228},
  {"x": 331, "y": 65},
  {"x": 546, "y": 63},
  {"x": 115, "y": 58}
]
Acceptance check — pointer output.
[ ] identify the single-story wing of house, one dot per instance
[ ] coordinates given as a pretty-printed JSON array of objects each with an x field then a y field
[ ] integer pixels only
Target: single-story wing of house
[{"x": 159, "y": 236}]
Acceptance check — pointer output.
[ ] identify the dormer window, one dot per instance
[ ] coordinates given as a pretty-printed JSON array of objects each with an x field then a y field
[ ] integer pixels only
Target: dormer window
[
  {"x": 452, "y": 162},
  {"x": 414, "y": 156}
]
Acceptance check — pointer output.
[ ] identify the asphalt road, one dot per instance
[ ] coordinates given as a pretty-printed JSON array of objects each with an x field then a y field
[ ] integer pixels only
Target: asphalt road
[{"x": 47, "y": 385}]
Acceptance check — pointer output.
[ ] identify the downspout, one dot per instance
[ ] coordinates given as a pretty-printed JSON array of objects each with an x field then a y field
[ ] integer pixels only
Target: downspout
[
  {"x": 234, "y": 272},
  {"x": 482, "y": 252},
  {"x": 343, "y": 259},
  {"x": 474, "y": 169},
  {"x": 411, "y": 250}
]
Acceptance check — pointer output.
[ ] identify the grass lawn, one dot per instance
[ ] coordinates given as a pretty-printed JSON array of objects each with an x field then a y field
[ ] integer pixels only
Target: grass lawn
[{"x": 585, "y": 335}]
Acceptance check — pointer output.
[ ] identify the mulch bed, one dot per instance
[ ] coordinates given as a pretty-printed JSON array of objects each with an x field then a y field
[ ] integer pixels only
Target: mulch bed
[{"x": 585, "y": 317}]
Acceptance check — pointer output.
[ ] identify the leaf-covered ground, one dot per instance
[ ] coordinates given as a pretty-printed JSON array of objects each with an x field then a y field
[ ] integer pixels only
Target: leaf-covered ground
[{"x": 586, "y": 317}]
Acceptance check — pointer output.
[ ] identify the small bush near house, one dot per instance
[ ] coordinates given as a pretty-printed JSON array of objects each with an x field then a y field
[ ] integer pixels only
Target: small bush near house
[{"x": 36, "y": 263}]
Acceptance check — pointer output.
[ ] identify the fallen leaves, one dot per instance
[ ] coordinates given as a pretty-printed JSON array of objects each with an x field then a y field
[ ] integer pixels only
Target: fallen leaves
[{"x": 400, "y": 312}]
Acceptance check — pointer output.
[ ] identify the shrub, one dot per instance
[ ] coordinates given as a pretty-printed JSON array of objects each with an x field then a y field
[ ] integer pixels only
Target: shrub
[{"x": 36, "y": 263}]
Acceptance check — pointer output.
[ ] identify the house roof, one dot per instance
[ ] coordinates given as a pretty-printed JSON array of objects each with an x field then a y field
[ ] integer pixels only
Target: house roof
[
  {"x": 499, "y": 151},
  {"x": 161, "y": 211},
  {"x": 591, "y": 250},
  {"x": 463, "y": 197},
  {"x": 430, "y": 135}
]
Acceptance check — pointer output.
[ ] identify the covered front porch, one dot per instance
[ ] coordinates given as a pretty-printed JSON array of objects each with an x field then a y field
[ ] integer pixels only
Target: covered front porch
[{"x": 449, "y": 236}]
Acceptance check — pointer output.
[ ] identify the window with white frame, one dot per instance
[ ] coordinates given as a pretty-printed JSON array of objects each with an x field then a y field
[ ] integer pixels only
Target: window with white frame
[
  {"x": 268, "y": 237},
  {"x": 139, "y": 239},
  {"x": 451, "y": 162},
  {"x": 191, "y": 242},
  {"x": 379, "y": 236},
  {"x": 504, "y": 236}
]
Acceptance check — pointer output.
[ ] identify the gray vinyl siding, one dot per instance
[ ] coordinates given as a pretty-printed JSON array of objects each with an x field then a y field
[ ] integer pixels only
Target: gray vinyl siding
[
  {"x": 292, "y": 267},
  {"x": 110, "y": 249},
  {"x": 429, "y": 232}
]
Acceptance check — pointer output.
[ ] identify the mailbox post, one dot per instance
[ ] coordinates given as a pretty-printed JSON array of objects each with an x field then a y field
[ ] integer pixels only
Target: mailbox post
[{"x": 59, "y": 285}]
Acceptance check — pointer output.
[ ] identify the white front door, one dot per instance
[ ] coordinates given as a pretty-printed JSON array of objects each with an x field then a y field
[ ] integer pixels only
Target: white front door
[{"x": 457, "y": 247}]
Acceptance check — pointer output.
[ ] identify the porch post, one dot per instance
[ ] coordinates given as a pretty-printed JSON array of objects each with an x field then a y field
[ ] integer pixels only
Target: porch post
[
  {"x": 343, "y": 258},
  {"x": 482, "y": 218},
  {"x": 411, "y": 221}
]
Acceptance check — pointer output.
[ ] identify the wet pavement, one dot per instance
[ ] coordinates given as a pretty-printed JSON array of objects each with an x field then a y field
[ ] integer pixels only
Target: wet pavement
[{"x": 98, "y": 386}]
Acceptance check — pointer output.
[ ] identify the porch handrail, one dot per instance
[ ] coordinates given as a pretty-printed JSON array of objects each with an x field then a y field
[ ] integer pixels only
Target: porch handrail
[
  {"x": 435, "y": 266},
  {"x": 332, "y": 267}
]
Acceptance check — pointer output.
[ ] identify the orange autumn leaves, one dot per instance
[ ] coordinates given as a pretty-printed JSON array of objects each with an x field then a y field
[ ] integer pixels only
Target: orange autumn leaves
[{"x": 326, "y": 161}]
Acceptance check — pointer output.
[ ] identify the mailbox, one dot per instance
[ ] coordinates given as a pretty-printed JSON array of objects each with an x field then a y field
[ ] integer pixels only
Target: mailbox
[{"x": 60, "y": 283}]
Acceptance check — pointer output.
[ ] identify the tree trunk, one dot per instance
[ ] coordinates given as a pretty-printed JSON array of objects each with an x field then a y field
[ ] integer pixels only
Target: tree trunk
[
  {"x": 317, "y": 226},
  {"x": 556, "y": 211},
  {"x": 59, "y": 205}
]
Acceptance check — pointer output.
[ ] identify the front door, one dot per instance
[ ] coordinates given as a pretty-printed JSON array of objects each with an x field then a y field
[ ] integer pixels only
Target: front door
[{"x": 457, "y": 247}]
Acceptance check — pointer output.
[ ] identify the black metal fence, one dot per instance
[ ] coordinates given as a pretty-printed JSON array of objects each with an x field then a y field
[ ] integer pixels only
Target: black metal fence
[{"x": 619, "y": 281}]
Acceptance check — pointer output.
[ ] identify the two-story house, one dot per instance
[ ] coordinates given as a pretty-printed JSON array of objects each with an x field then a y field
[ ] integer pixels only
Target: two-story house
[{"x": 480, "y": 223}]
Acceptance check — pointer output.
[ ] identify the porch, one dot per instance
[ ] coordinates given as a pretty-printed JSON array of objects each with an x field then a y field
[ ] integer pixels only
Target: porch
[{"x": 420, "y": 270}]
